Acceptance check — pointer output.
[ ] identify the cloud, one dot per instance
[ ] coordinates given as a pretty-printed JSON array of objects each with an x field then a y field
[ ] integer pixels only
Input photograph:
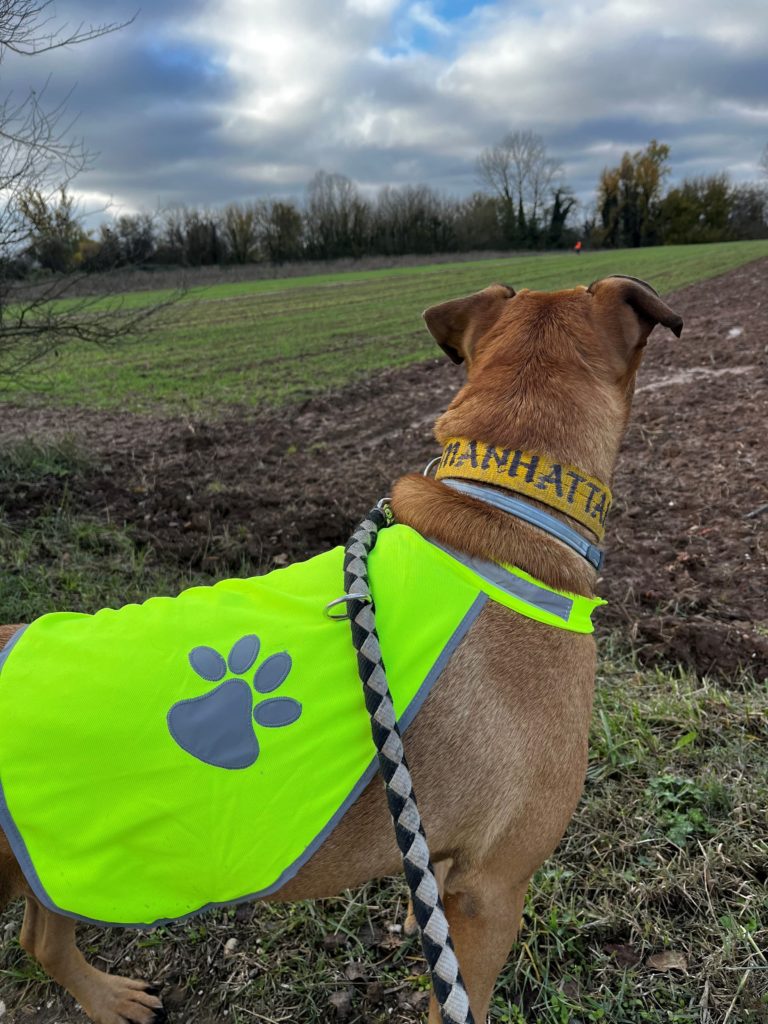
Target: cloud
[
  {"x": 373, "y": 8},
  {"x": 213, "y": 100},
  {"x": 423, "y": 14}
]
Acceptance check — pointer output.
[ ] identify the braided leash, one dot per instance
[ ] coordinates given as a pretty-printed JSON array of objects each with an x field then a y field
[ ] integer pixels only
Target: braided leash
[{"x": 428, "y": 908}]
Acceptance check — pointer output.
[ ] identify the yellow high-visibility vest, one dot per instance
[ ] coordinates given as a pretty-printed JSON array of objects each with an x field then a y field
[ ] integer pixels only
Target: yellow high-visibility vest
[{"x": 187, "y": 752}]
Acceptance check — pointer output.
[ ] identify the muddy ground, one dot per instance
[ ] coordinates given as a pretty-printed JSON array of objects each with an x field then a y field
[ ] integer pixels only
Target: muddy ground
[{"x": 686, "y": 572}]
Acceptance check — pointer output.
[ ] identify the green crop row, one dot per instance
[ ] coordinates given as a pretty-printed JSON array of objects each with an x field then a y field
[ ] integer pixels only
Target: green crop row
[{"x": 266, "y": 343}]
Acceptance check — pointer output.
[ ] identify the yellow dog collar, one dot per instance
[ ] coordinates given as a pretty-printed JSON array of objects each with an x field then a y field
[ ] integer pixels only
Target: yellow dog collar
[{"x": 565, "y": 488}]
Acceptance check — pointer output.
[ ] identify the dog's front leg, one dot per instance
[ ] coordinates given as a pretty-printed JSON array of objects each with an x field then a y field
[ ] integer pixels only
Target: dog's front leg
[
  {"x": 441, "y": 869},
  {"x": 106, "y": 998},
  {"x": 483, "y": 911}
]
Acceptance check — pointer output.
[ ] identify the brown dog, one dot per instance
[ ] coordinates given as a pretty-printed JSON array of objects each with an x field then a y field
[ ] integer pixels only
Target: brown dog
[{"x": 551, "y": 373}]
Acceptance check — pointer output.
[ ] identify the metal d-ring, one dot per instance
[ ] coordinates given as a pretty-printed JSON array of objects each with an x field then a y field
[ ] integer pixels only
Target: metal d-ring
[
  {"x": 343, "y": 600},
  {"x": 430, "y": 464}
]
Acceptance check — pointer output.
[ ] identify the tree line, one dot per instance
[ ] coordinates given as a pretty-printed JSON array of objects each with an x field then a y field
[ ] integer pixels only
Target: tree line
[
  {"x": 523, "y": 203},
  {"x": 634, "y": 208}
]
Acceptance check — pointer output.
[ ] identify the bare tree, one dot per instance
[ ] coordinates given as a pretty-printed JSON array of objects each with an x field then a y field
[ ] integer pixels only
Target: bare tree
[
  {"x": 239, "y": 225},
  {"x": 39, "y": 158},
  {"x": 564, "y": 202},
  {"x": 337, "y": 217},
  {"x": 280, "y": 230},
  {"x": 748, "y": 214},
  {"x": 412, "y": 218},
  {"x": 172, "y": 238},
  {"x": 520, "y": 173}
]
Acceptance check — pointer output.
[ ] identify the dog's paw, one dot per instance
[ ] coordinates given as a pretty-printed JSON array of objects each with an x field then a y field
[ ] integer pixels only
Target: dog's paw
[
  {"x": 217, "y": 727},
  {"x": 411, "y": 925},
  {"x": 118, "y": 1000}
]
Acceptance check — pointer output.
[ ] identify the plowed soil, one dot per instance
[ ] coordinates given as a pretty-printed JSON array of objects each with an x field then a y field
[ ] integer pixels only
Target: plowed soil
[{"x": 686, "y": 572}]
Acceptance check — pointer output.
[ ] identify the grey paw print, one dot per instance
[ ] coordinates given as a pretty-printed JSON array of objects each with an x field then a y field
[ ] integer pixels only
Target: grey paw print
[{"x": 216, "y": 727}]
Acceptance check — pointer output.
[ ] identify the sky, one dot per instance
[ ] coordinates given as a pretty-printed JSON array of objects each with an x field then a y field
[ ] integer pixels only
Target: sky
[{"x": 205, "y": 102}]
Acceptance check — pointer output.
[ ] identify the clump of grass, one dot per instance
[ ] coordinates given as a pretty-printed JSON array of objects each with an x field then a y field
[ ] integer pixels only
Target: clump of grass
[
  {"x": 71, "y": 562},
  {"x": 62, "y": 559},
  {"x": 29, "y": 460}
]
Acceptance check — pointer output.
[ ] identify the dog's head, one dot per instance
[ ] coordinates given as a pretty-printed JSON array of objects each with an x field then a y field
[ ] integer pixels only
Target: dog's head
[
  {"x": 570, "y": 355},
  {"x": 615, "y": 314}
]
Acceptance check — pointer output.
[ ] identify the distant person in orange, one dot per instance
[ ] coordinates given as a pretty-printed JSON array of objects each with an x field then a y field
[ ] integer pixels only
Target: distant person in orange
[{"x": 577, "y": 248}]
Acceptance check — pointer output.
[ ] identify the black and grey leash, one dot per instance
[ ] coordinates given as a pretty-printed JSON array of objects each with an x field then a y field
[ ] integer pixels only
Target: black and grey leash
[{"x": 427, "y": 905}]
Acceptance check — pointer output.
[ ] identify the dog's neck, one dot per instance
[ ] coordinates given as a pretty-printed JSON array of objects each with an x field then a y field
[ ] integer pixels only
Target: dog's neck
[
  {"x": 442, "y": 514},
  {"x": 588, "y": 437}
]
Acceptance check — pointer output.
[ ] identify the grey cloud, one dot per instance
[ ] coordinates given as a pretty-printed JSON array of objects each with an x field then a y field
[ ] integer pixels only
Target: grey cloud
[{"x": 171, "y": 121}]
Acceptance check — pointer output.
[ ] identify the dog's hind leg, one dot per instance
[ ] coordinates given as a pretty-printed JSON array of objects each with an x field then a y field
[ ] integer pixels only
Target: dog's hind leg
[
  {"x": 12, "y": 881},
  {"x": 483, "y": 910},
  {"x": 106, "y": 998}
]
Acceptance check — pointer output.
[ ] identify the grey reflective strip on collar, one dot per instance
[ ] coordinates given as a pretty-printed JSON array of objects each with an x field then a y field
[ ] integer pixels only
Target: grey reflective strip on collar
[
  {"x": 539, "y": 597},
  {"x": 10, "y": 645},
  {"x": 534, "y": 516}
]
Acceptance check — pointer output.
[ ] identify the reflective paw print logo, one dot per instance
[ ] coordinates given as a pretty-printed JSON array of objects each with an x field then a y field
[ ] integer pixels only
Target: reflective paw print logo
[{"x": 217, "y": 727}]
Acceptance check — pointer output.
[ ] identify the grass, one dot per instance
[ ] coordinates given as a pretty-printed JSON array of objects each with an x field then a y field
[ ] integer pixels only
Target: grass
[
  {"x": 665, "y": 855},
  {"x": 268, "y": 343},
  {"x": 667, "y": 852},
  {"x": 60, "y": 558}
]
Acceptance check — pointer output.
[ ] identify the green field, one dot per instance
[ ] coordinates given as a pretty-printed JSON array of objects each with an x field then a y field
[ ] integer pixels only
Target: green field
[
  {"x": 653, "y": 910},
  {"x": 270, "y": 342}
]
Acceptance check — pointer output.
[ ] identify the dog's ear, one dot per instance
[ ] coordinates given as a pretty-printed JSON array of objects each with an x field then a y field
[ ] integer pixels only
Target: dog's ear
[
  {"x": 642, "y": 298},
  {"x": 629, "y": 310},
  {"x": 456, "y": 325}
]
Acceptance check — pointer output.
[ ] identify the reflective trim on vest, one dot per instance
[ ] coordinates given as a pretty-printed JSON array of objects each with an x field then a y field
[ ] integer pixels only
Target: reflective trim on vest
[
  {"x": 11, "y": 644},
  {"x": 521, "y": 592},
  {"x": 533, "y": 593}
]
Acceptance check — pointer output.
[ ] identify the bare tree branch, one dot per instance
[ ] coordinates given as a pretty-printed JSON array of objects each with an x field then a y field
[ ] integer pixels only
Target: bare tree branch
[
  {"x": 26, "y": 29},
  {"x": 38, "y": 159},
  {"x": 38, "y": 322}
]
